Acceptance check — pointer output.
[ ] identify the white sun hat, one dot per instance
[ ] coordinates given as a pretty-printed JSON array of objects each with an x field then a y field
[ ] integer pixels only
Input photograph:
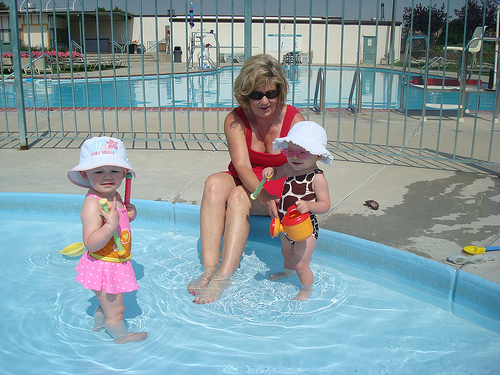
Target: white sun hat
[
  {"x": 96, "y": 152},
  {"x": 308, "y": 135}
]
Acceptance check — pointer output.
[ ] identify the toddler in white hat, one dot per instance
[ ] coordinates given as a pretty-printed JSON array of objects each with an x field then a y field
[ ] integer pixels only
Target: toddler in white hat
[
  {"x": 105, "y": 268},
  {"x": 306, "y": 188}
]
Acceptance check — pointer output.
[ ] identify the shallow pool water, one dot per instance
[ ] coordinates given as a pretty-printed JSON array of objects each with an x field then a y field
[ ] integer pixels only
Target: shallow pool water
[{"x": 348, "y": 325}]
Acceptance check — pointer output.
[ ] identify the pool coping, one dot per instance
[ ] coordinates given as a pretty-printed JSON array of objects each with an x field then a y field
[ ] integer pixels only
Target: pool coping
[{"x": 467, "y": 296}]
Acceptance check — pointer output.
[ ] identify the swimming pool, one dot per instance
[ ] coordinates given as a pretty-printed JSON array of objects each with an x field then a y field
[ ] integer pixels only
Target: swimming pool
[
  {"x": 351, "y": 324},
  {"x": 209, "y": 90}
]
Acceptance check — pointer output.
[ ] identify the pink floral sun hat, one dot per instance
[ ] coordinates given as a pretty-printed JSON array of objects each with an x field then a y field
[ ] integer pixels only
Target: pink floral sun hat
[{"x": 96, "y": 152}]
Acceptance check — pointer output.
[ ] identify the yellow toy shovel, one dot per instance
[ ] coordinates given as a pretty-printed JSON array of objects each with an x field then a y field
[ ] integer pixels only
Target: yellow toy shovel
[{"x": 479, "y": 250}]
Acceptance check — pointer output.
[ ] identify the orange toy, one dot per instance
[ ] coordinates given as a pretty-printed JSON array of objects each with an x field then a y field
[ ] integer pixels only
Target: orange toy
[{"x": 297, "y": 226}]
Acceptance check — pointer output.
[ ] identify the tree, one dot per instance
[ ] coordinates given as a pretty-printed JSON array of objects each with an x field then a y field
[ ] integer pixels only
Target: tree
[
  {"x": 474, "y": 10},
  {"x": 3, "y": 6},
  {"x": 418, "y": 17}
]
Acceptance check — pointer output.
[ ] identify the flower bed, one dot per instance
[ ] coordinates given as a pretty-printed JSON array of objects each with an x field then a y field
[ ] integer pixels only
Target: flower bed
[{"x": 52, "y": 53}]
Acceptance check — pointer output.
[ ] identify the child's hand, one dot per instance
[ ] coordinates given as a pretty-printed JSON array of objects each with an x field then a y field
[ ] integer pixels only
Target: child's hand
[
  {"x": 132, "y": 212},
  {"x": 267, "y": 172},
  {"x": 303, "y": 206},
  {"x": 111, "y": 218}
]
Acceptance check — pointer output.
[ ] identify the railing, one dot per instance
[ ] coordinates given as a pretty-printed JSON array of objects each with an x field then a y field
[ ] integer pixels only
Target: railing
[
  {"x": 436, "y": 60},
  {"x": 159, "y": 111},
  {"x": 463, "y": 76},
  {"x": 404, "y": 81},
  {"x": 357, "y": 81},
  {"x": 31, "y": 65},
  {"x": 319, "y": 92},
  {"x": 77, "y": 47}
]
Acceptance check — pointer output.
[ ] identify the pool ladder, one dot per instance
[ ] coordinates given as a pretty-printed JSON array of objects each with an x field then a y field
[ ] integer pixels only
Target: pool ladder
[
  {"x": 357, "y": 79},
  {"x": 318, "y": 108}
]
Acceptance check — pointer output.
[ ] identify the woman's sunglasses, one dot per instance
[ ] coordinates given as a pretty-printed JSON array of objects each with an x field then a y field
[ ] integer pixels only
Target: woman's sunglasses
[
  {"x": 257, "y": 95},
  {"x": 289, "y": 153}
]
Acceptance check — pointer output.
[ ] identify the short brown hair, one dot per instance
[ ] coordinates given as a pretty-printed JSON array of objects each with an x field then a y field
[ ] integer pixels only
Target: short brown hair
[{"x": 259, "y": 70}]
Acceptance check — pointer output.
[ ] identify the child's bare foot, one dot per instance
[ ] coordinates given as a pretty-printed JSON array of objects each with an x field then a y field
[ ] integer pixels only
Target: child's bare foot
[
  {"x": 201, "y": 282},
  {"x": 304, "y": 293},
  {"x": 131, "y": 337},
  {"x": 281, "y": 275},
  {"x": 214, "y": 290}
]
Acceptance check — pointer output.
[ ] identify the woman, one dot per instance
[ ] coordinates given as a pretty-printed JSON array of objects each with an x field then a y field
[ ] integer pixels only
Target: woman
[{"x": 250, "y": 129}]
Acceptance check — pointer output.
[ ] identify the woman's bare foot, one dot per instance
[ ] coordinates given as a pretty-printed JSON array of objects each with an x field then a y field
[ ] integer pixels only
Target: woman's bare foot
[
  {"x": 131, "y": 337},
  {"x": 214, "y": 290},
  {"x": 281, "y": 275},
  {"x": 201, "y": 282},
  {"x": 304, "y": 293}
]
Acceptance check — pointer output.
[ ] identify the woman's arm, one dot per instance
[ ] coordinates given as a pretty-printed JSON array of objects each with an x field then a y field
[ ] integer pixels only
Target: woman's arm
[
  {"x": 234, "y": 129},
  {"x": 95, "y": 234},
  {"x": 322, "y": 204}
]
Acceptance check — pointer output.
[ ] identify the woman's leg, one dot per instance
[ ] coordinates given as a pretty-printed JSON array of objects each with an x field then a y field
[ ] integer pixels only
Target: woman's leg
[
  {"x": 113, "y": 307},
  {"x": 303, "y": 251},
  {"x": 212, "y": 220},
  {"x": 236, "y": 229}
]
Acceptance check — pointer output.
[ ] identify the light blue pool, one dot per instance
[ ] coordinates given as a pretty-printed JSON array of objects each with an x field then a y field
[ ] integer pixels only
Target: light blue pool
[
  {"x": 374, "y": 309},
  {"x": 379, "y": 88}
]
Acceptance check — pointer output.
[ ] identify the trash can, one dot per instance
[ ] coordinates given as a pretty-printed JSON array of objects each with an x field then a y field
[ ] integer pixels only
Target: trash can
[
  {"x": 131, "y": 48},
  {"x": 177, "y": 54},
  {"x": 139, "y": 50}
]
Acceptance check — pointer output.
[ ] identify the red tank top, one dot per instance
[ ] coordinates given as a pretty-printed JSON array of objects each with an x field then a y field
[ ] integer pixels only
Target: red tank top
[{"x": 261, "y": 160}]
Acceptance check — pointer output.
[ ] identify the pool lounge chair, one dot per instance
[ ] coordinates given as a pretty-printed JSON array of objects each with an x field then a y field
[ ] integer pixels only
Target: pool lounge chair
[{"x": 7, "y": 64}]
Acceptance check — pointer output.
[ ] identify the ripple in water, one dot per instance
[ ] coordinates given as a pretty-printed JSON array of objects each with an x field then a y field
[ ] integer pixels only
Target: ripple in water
[{"x": 347, "y": 326}]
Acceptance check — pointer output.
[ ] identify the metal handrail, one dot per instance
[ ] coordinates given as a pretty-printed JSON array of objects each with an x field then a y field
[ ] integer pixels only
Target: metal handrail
[
  {"x": 76, "y": 46},
  {"x": 31, "y": 65},
  {"x": 357, "y": 79},
  {"x": 319, "y": 90},
  {"x": 434, "y": 61},
  {"x": 118, "y": 46},
  {"x": 403, "y": 72}
]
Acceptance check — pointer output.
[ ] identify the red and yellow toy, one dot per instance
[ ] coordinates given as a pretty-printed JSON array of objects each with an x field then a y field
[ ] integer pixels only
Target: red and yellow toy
[{"x": 297, "y": 226}]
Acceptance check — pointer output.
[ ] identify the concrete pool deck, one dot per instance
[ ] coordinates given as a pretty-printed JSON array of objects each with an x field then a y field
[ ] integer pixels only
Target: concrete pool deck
[{"x": 429, "y": 208}]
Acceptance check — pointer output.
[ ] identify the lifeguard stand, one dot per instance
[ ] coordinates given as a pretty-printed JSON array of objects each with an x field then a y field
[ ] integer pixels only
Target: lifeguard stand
[{"x": 200, "y": 40}]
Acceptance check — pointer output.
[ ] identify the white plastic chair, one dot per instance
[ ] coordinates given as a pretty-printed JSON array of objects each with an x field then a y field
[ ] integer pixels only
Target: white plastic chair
[{"x": 474, "y": 47}]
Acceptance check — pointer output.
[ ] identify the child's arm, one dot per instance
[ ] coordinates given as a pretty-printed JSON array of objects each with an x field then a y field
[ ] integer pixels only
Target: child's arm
[
  {"x": 322, "y": 204},
  {"x": 271, "y": 200},
  {"x": 132, "y": 212},
  {"x": 275, "y": 173},
  {"x": 95, "y": 234}
]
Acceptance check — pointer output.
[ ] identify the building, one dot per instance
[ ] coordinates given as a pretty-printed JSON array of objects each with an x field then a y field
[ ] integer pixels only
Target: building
[{"x": 313, "y": 39}]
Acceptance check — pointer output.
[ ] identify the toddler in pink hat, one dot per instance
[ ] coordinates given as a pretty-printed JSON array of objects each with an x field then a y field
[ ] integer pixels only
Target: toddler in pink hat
[{"x": 105, "y": 268}]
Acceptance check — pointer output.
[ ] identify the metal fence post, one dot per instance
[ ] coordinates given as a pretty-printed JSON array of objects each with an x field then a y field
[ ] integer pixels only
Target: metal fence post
[
  {"x": 18, "y": 75},
  {"x": 248, "y": 29}
]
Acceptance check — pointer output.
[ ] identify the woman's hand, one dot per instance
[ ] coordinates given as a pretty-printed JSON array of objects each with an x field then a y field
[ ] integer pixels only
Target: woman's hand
[{"x": 271, "y": 201}]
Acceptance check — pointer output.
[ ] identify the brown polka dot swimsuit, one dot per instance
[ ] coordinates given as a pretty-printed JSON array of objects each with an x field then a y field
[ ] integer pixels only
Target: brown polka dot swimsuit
[{"x": 299, "y": 188}]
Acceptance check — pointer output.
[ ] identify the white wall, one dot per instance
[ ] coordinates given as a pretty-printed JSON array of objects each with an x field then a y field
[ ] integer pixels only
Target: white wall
[{"x": 233, "y": 33}]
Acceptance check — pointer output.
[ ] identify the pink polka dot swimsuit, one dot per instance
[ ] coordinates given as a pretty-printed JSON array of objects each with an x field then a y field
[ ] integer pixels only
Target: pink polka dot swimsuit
[{"x": 109, "y": 276}]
